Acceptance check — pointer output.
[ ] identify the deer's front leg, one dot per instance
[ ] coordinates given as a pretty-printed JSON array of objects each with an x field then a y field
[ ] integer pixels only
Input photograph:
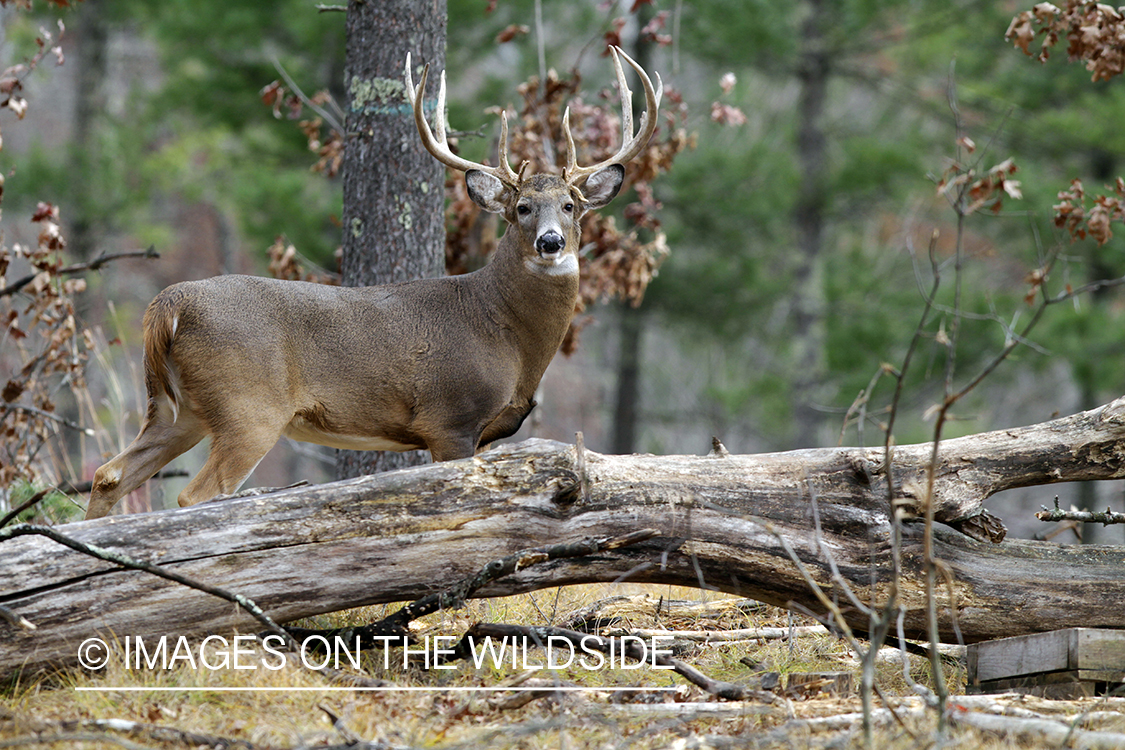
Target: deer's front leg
[
  {"x": 160, "y": 440},
  {"x": 508, "y": 421}
]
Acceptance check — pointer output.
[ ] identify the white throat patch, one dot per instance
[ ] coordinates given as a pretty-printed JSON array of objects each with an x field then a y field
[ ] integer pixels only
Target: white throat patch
[{"x": 564, "y": 264}]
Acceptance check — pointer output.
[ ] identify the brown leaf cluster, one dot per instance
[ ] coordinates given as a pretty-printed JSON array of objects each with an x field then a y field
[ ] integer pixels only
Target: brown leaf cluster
[
  {"x": 45, "y": 349},
  {"x": 511, "y": 32},
  {"x": 1095, "y": 34},
  {"x": 286, "y": 263},
  {"x": 654, "y": 30},
  {"x": 727, "y": 114},
  {"x": 12, "y": 77},
  {"x": 972, "y": 191},
  {"x": 328, "y": 146},
  {"x": 1081, "y": 215},
  {"x": 48, "y": 350}
]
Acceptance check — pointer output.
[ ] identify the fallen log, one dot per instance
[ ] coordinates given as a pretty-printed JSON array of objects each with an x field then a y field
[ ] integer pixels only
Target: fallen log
[{"x": 402, "y": 535}]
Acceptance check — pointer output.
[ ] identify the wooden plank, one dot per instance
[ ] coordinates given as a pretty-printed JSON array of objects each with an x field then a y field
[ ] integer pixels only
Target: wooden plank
[
  {"x": 1066, "y": 685},
  {"x": 1100, "y": 649},
  {"x": 1086, "y": 649},
  {"x": 1101, "y": 675},
  {"x": 1020, "y": 655}
]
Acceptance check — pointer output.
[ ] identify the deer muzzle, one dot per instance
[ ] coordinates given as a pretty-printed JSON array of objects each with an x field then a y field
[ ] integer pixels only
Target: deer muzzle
[{"x": 550, "y": 243}]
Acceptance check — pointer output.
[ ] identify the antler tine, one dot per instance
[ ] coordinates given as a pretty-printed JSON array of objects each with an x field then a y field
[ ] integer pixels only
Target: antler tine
[
  {"x": 502, "y": 154},
  {"x": 439, "y": 112},
  {"x": 631, "y": 145},
  {"x": 626, "y": 96},
  {"x": 438, "y": 145}
]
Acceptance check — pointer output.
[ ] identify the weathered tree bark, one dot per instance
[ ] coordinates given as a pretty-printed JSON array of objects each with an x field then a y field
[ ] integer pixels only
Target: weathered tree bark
[
  {"x": 401, "y": 535},
  {"x": 394, "y": 197}
]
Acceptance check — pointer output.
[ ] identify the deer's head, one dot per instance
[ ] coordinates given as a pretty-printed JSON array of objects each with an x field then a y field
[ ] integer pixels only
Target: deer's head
[{"x": 544, "y": 209}]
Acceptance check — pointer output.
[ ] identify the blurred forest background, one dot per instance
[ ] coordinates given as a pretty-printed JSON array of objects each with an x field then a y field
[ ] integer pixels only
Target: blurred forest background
[{"x": 800, "y": 227}]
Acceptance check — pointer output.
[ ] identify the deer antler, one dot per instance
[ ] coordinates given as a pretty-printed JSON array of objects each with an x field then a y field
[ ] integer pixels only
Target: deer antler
[
  {"x": 439, "y": 147},
  {"x": 631, "y": 145}
]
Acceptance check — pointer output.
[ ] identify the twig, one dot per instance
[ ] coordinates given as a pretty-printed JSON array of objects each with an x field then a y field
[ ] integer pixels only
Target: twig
[
  {"x": 106, "y": 730},
  {"x": 580, "y": 466},
  {"x": 1106, "y": 517},
  {"x": 43, "y": 732},
  {"x": 505, "y": 566},
  {"x": 338, "y": 724},
  {"x": 90, "y": 265},
  {"x": 18, "y": 620},
  {"x": 14, "y": 513},
  {"x": 76, "y": 737},
  {"x": 125, "y": 561},
  {"x": 720, "y": 636},
  {"x": 539, "y": 634},
  {"x": 611, "y": 610},
  {"x": 880, "y": 619},
  {"x": 396, "y": 625},
  {"x": 525, "y": 696},
  {"x": 81, "y": 488},
  {"x": 331, "y": 119},
  {"x": 1042, "y": 732},
  {"x": 74, "y": 489},
  {"x": 47, "y": 415}
]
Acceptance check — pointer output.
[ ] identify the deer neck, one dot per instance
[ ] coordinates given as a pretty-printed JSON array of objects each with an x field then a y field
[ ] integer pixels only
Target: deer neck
[{"x": 540, "y": 297}]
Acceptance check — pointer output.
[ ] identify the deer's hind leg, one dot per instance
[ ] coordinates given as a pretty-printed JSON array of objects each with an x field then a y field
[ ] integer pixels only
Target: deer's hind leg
[
  {"x": 163, "y": 436},
  {"x": 238, "y": 443}
]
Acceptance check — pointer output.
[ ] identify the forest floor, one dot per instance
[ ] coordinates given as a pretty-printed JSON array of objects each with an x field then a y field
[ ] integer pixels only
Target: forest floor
[{"x": 810, "y": 681}]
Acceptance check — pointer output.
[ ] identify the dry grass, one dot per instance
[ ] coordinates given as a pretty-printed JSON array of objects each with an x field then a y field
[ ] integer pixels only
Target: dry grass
[{"x": 285, "y": 707}]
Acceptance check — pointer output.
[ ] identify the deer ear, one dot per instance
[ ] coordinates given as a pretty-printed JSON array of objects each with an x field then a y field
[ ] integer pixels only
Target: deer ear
[
  {"x": 602, "y": 186},
  {"x": 485, "y": 190}
]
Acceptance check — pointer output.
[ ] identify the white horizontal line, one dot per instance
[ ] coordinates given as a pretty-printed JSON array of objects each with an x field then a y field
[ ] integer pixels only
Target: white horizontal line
[{"x": 387, "y": 689}]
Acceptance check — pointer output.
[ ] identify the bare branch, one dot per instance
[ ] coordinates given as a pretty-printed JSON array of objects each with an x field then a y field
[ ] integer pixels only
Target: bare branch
[
  {"x": 125, "y": 561},
  {"x": 539, "y": 635},
  {"x": 91, "y": 265},
  {"x": 73, "y": 489},
  {"x": 31, "y": 501},
  {"x": 1106, "y": 518},
  {"x": 50, "y": 416},
  {"x": 82, "y": 488},
  {"x": 45, "y": 732},
  {"x": 332, "y": 120},
  {"x": 18, "y": 620}
]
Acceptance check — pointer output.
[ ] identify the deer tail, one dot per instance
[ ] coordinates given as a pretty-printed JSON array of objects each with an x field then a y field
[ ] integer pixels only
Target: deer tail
[{"x": 160, "y": 324}]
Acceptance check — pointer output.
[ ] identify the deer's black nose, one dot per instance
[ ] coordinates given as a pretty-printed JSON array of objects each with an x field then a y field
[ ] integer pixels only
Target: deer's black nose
[{"x": 550, "y": 242}]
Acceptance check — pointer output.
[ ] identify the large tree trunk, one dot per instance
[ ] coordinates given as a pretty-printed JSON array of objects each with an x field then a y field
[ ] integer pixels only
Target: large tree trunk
[
  {"x": 814, "y": 69},
  {"x": 86, "y": 226},
  {"x": 394, "y": 225},
  {"x": 404, "y": 534},
  {"x": 626, "y": 412}
]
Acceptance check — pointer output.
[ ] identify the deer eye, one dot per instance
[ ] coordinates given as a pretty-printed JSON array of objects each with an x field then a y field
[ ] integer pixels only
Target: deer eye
[
  {"x": 523, "y": 210},
  {"x": 568, "y": 207}
]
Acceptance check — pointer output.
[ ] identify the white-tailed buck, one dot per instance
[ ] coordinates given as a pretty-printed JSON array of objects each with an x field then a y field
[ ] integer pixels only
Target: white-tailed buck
[{"x": 447, "y": 364}]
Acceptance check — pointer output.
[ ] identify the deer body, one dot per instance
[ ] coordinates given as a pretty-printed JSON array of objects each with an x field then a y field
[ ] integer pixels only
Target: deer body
[{"x": 448, "y": 364}]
